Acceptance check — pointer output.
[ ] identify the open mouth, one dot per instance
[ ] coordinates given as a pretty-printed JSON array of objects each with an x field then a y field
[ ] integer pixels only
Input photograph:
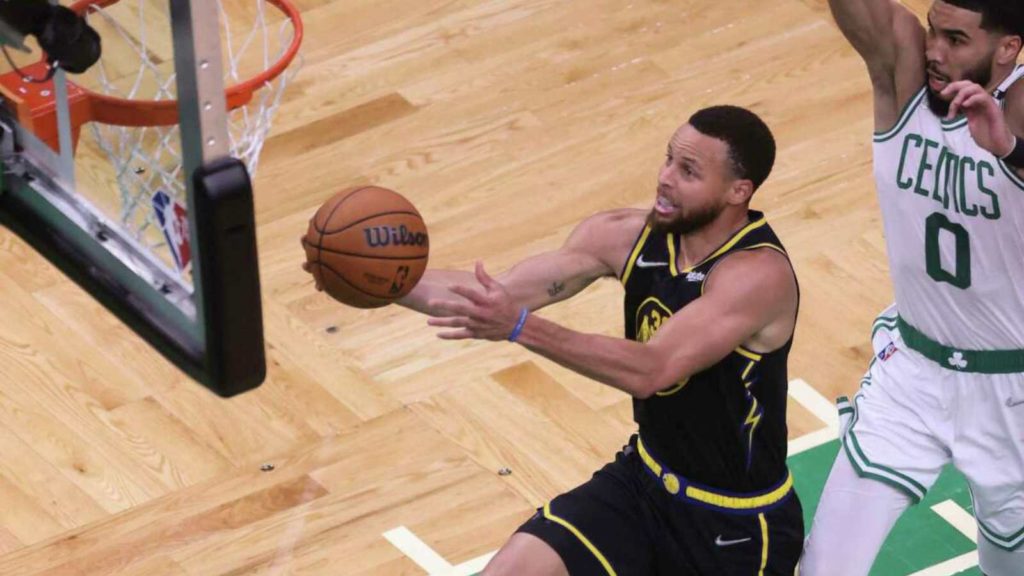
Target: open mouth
[
  {"x": 663, "y": 206},
  {"x": 937, "y": 82}
]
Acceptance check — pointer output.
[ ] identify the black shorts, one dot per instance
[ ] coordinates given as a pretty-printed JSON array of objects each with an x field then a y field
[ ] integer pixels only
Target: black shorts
[{"x": 624, "y": 522}]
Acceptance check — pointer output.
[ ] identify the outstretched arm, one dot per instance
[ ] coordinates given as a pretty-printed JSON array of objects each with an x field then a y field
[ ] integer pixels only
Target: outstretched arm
[
  {"x": 732, "y": 310},
  {"x": 594, "y": 249}
]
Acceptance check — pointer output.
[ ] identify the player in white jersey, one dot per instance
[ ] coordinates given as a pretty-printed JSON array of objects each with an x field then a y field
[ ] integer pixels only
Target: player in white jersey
[{"x": 947, "y": 381}]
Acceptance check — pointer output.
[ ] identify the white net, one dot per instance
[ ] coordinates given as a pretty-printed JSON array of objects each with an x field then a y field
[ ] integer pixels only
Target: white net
[{"x": 138, "y": 64}]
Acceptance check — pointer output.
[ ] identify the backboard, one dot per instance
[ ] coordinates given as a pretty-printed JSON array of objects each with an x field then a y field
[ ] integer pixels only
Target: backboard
[{"x": 135, "y": 176}]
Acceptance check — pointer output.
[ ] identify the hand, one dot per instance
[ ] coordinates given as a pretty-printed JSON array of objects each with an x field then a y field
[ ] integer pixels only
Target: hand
[
  {"x": 984, "y": 116},
  {"x": 489, "y": 314}
]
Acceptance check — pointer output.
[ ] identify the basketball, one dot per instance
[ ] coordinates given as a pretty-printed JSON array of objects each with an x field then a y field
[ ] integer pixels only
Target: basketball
[{"x": 367, "y": 246}]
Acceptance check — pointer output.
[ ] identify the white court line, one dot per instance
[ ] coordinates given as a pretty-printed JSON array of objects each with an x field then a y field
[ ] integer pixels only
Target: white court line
[
  {"x": 958, "y": 518},
  {"x": 818, "y": 405},
  {"x": 418, "y": 550},
  {"x": 964, "y": 523}
]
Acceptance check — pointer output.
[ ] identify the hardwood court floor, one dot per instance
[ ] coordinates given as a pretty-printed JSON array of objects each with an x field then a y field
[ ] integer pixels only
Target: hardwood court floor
[{"x": 505, "y": 122}]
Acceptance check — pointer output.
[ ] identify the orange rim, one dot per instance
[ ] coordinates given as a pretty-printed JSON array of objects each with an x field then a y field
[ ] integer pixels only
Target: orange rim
[{"x": 127, "y": 112}]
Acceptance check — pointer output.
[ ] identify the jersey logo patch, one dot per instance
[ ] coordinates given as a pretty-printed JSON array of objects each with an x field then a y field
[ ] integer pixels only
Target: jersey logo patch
[
  {"x": 641, "y": 263},
  {"x": 888, "y": 352},
  {"x": 720, "y": 542},
  {"x": 695, "y": 277}
]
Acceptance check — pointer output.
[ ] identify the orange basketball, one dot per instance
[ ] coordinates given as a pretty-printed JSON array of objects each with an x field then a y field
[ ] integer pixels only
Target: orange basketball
[{"x": 367, "y": 246}]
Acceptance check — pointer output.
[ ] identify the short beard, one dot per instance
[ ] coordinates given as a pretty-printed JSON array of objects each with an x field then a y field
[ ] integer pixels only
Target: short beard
[
  {"x": 686, "y": 224},
  {"x": 980, "y": 75}
]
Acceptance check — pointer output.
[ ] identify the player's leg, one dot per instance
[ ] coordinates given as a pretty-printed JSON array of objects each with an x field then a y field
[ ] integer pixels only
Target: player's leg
[
  {"x": 526, "y": 554},
  {"x": 894, "y": 445},
  {"x": 852, "y": 521},
  {"x": 996, "y": 561},
  {"x": 596, "y": 528},
  {"x": 988, "y": 448}
]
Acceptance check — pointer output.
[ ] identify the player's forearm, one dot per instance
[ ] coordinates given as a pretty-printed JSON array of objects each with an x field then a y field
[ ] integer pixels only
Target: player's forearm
[
  {"x": 433, "y": 288},
  {"x": 623, "y": 364}
]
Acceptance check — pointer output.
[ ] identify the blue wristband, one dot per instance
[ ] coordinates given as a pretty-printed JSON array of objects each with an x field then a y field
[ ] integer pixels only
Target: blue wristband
[{"x": 519, "y": 325}]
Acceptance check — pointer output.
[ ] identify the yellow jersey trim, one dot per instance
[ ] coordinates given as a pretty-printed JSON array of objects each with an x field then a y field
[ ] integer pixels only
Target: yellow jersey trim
[
  {"x": 725, "y": 247},
  {"x": 676, "y": 388},
  {"x": 636, "y": 253},
  {"x": 748, "y": 354},
  {"x": 579, "y": 535},
  {"x": 670, "y": 239},
  {"x": 764, "y": 543},
  {"x": 705, "y": 496},
  {"x": 746, "y": 371}
]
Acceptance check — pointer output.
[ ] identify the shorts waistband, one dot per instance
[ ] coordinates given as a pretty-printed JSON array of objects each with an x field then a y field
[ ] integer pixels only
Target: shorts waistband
[
  {"x": 956, "y": 359},
  {"x": 707, "y": 497}
]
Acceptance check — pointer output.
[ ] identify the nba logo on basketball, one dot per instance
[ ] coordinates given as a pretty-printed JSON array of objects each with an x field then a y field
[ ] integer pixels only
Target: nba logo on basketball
[{"x": 173, "y": 219}]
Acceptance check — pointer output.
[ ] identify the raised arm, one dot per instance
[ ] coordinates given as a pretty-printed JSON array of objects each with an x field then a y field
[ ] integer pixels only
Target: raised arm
[
  {"x": 590, "y": 252},
  {"x": 891, "y": 40}
]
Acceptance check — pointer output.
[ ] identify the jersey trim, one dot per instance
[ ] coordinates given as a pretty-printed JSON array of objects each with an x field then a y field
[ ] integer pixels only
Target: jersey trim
[
  {"x": 637, "y": 248},
  {"x": 764, "y": 543},
  {"x": 703, "y": 283},
  {"x": 958, "y": 359},
  {"x": 579, "y": 535},
  {"x": 905, "y": 114},
  {"x": 865, "y": 468},
  {"x": 721, "y": 250},
  {"x": 692, "y": 493},
  {"x": 1010, "y": 173},
  {"x": 1009, "y": 543}
]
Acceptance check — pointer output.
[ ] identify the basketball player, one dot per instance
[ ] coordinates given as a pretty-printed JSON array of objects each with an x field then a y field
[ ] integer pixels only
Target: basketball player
[
  {"x": 947, "y": 380},
  {"x": 710, "y": 307}
]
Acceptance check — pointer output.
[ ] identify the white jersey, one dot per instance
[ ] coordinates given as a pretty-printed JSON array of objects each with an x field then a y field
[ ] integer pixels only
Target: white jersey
[{"x": 954, "y": 227}]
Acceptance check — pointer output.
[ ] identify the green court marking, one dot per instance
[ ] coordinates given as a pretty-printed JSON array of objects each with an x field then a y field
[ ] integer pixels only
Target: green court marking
[{"x": 919, "y": 540}]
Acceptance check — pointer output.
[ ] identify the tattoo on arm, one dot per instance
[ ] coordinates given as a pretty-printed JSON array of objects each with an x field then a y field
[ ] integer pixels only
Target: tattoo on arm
[{"x": 556, "y": 289}]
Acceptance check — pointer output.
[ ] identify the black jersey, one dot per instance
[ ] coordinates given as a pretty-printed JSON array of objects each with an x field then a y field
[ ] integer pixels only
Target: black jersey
[{"x": 726, "y": 426}]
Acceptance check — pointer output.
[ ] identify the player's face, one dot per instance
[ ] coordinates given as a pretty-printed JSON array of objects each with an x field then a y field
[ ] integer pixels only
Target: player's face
[
  {"x": 957, "y": 48},
  {"x": 693, "y": 182}
]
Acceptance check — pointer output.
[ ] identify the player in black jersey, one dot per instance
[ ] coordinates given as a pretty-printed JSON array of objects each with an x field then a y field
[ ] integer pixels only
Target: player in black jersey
[{"x": 711, "y": 303}]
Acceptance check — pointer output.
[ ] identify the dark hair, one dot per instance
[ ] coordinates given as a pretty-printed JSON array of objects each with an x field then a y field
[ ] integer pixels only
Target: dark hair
[
  {"x": 751, "y": 144},
  {"x": 1005, "y": 16}
]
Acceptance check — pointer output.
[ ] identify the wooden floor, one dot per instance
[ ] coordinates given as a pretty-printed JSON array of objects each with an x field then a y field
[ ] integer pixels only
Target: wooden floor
[{"x": 505, "y": 122}]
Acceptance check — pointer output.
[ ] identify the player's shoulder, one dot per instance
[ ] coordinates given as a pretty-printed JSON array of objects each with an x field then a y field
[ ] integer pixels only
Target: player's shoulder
[
  {"x": 608, "y": 236},
  {"x": 764, "y": 265},
  {"x": 615, "y": 225}
]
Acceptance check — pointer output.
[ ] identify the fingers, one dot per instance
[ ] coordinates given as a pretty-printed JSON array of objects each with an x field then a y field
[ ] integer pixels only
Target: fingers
[
  {"x": 467, "y": 293},
  {"x": 449, "y": 322},
  {"x": 451, "y": 308},
  {"x": 963, "y": 94}
]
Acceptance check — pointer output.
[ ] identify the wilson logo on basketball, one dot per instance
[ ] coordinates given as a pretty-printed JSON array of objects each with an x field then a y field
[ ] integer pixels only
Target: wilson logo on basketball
[{"x": 379, "y": 236}]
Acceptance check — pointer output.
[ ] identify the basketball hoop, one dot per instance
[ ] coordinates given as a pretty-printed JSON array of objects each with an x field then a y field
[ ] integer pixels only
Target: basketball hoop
[{"x": 129, "y": 98}]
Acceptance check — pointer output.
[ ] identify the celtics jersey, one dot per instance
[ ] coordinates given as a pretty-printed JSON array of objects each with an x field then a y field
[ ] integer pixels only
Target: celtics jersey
[
  {"x": 726, "y": 426},
  {"x": 954, "y": 226}
]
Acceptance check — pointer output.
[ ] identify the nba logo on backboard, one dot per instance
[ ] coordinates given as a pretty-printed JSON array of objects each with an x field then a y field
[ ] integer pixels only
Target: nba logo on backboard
[{"x": 173, "y": 220}]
